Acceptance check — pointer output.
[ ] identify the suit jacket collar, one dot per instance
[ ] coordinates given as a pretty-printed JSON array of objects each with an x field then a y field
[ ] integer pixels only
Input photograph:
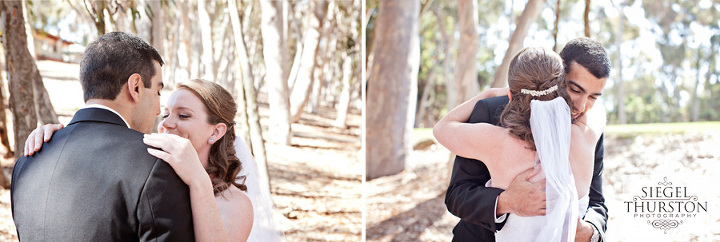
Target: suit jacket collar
[
  {"x": 501, "y": 102},
  {"x": 97, "y": 115}
]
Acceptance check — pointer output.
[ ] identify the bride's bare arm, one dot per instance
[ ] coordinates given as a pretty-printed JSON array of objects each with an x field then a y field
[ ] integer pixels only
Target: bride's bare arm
[
  {"x": 472, "y": 140},
  {"x": 182, "y": 157},
  {"x": 494, "y": 92}
]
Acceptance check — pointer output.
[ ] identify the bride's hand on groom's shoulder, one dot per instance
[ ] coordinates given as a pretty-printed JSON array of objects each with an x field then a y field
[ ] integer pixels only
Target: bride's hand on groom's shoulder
[
  {"x": 179, "y": 153},
  {"x": 38, "y": 136}
]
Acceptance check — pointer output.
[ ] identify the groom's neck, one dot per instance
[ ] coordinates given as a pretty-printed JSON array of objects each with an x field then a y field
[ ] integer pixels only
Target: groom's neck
[{"x": 124, "y": 109}]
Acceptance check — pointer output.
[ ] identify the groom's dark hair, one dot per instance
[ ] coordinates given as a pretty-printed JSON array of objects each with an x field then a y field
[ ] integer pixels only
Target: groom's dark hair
[
  {"x": 589, "y": 54},
  {"x": 110, "y": 60}
]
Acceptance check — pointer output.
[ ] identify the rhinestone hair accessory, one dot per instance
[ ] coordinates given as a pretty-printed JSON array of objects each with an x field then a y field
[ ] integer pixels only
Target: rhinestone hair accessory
[{"x": 535, "y": 93}]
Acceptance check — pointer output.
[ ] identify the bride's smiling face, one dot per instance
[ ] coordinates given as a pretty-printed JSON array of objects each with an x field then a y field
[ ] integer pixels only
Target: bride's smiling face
[{"x": 185, "y": 115}]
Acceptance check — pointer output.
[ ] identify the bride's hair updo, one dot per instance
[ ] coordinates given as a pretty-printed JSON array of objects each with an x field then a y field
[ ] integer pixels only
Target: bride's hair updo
[
  {"x": 220, "y": 107},
  {"x": 533, "y": 69}
]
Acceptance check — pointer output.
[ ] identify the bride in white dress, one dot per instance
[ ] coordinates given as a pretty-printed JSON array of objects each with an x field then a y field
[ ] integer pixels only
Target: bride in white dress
[{"x": 536, "y": 128}]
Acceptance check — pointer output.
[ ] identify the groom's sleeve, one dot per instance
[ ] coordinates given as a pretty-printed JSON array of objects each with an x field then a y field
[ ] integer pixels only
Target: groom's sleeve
[
  {"x": 163, "y": 210},
  {"x": 597, "y": 213},
  {"x": 467, "y": 196}
]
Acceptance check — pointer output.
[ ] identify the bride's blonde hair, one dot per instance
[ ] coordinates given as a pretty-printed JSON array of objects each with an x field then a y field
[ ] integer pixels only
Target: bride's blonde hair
[
  {"x": 532, "y": 69},
  {"x": 220, "y": 108}
]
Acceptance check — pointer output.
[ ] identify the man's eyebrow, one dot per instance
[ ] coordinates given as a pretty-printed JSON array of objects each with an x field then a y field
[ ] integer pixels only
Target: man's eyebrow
[
  {"x": 583, "y": 89},
  {"x": 577, "y": 85}
]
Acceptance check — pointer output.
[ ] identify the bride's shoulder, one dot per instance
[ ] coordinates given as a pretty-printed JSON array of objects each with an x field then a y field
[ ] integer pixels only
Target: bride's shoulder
[
  {"x": 237, "y": 212},
  {"x": 237, "y": 198},
  {"x": 593, "y": 122}
]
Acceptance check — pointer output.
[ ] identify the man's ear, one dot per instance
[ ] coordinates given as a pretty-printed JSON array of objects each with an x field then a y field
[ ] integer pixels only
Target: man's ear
[
  {"x": 218, "y": 132},
  {"x": 134, "y": 85}
]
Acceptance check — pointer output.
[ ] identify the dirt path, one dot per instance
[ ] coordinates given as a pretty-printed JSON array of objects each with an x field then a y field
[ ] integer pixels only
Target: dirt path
[
  {"x": 409, "y": 206},
  {"x": 316, "y": 182}
]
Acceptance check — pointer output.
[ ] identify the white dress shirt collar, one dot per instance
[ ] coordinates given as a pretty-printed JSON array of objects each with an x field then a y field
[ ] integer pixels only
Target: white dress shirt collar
[{"x": 109, "y": 109}]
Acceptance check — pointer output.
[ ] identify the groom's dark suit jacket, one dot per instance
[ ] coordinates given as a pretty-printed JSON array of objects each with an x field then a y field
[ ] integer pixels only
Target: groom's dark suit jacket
[
  {"x": 468, "y": 198},
  {"x": 95, "y": 181}
]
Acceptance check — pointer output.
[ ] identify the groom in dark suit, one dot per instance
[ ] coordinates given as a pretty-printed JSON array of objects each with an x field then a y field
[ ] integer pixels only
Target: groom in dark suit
[
  {"x": 95, "y": 181},
  {"x": 482, "y": 209}
]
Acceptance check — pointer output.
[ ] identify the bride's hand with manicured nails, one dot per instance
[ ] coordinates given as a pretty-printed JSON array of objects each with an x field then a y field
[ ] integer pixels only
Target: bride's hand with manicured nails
[
  {"x": 38, "y": 136},
  {"x": 182, "y": 157}
]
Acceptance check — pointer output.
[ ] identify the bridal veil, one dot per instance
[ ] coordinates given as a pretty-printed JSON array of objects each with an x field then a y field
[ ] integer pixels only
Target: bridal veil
[
  {"x": 264, "y": 226},
  {"x": 550, "y": 125}
]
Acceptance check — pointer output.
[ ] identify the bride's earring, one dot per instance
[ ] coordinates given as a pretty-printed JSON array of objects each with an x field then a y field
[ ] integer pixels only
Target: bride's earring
[{"x": 211, "y": 140}]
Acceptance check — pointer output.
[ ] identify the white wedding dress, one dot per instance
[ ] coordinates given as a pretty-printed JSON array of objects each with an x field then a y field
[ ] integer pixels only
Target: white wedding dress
[
  {"x": 550, "y": 124},
  {"x": 264, "y": 227}
]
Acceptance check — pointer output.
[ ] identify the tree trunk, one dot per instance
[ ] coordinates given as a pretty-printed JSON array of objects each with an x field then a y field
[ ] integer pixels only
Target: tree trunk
[
  {"x": 276, "y": 78},
  {"x": 586, "y": 17},
  {"x": 43, "y": 107},
  {"x": 174, "y": 53},
  {"x": 295, "y": 66},
  {"x": 423, "y": 104},
  {"x": 342, "y": 107},
  {"x": 619, "y": 82},
  {"x": 4, "y": 138},
  {"x": 708, "y": 74},
  {"x": 29, "y": 31},
  {"x": 695, "y": 106},
  {"x": 392, "y": 87},
  {"x": 532, "y": 9},
  {"x": 243, "y": 129},
  {"x": 557, "y": 22},
  {"x": 251, "y": 108},
  {"x": 157, "y": 26},
  {"x": 677, "y": 116},
  {"x": 187, "y": 37},
  {"x": 19, "y": 65},
  {"x": 314, "y": 94},
  {"x": 447, "y": 45},
  {"x": 668, "y": 114},
  {"x": 301, "y": 89},
  {"x": 205, "y": 27},
  {"x": 330, "y": 70},
  {"x": 242, "y": 58},
  {"x": 465, "y": 69},
  {"x": 297, "y": 27},
  {"x": 225, "y": 59},
  {"x": 324, "y": 57}
]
